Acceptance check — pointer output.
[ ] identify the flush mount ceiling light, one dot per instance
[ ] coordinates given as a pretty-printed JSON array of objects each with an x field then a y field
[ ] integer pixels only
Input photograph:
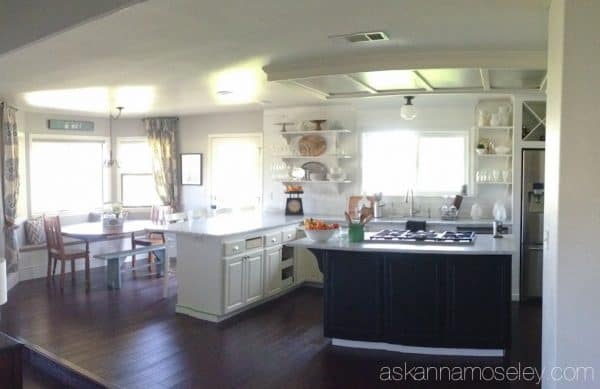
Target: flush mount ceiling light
[
  {"x": 224, "y": 92},
  {"x": 112, "y": 162},
  {"x": 408, "y": 110}
]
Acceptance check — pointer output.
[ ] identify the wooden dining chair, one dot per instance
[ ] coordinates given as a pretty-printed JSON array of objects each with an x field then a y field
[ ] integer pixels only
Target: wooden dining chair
[
  {"x": 58, "y": 252},
  {"x": 158, "y": 214}
]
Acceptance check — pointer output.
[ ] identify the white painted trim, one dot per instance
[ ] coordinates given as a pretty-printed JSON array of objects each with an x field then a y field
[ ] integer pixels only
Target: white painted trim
[{"x": 471, "y": 352}]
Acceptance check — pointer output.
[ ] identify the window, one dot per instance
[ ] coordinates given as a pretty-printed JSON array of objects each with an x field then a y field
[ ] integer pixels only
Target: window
[
  {"x": 430, "y": 163},
  {"x": 236, "y": 170},
  {"x": 67, "y": 174},
  {"x": 135, "y": 172}
]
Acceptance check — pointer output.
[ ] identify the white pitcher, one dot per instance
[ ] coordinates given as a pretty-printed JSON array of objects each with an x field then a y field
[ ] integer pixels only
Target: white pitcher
[
  {"x": 476, "y": 212},
  {"x": 504, "y": 114},
  {"x": 483, "y": 119}
]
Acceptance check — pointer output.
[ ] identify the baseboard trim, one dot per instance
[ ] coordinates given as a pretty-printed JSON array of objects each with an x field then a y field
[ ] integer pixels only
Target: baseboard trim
[
  {"x": 214, "y": 318},
  {"x": 12, "y": 279},
  {"x": 468, "y": 352}
]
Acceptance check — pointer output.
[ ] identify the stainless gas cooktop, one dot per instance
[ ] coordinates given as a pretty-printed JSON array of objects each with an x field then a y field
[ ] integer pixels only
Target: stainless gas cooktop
[{"x": 444, "y": 237}]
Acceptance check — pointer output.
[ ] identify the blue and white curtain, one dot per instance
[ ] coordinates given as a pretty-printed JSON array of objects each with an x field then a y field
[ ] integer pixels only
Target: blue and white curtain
[{"x": 10, "y": 183}]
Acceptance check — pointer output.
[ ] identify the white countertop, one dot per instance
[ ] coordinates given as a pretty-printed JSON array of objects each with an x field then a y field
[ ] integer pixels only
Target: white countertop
[
  {"x": 248, "y": 222},
  {"x": 231, "y": 224},
  {"x": 402, "y": 219},
  {"x": 483, "y": 245}
]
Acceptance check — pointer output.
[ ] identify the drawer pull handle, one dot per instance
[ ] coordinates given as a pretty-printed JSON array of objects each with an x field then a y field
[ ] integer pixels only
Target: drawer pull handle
[
  {"x": 274, "y": 240},
  {"x": 236, "y": 248}
]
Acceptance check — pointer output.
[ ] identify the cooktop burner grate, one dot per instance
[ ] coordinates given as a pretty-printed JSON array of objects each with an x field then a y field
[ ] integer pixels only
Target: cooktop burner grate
[{"x": 450, "y": 237}]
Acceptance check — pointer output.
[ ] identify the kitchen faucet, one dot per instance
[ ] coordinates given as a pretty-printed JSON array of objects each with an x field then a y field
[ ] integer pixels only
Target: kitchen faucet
[{"x": 410, "y": 199}]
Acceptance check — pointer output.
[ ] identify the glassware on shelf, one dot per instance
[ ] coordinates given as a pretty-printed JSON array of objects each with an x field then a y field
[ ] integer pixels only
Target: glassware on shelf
[{"x": 495, "y": 175}]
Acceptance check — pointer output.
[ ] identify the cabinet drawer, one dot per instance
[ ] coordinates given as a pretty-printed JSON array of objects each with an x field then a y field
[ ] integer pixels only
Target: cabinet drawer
[
  {"x": 289, "y": 235},
  {"x": 273, "y": 239},
  {"x": 254, "y": 243},
  {"x": 233, "y": 248}
]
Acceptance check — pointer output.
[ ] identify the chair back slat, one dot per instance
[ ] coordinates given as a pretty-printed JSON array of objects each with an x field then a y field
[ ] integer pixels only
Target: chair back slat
[
  {"x": 54, "y": 236},
  {"x": 160, "y": 213}
]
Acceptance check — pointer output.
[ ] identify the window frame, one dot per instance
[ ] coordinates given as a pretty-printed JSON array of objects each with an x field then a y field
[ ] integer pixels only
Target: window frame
[
  {"x": 66, "y": 138},
  {"x": 465, "y": 134},
  {"x": 120, "y": 172}
]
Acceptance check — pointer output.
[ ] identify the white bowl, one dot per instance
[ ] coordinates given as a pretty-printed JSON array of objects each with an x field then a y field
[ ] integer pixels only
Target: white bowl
[
  {"x": 336, "y": 176},
  {"x": 320, "y": 235},
  {"x": 480, "y": 151},
  {"x": 314, "y": 176},
  {"x": 502, "y": 150}
]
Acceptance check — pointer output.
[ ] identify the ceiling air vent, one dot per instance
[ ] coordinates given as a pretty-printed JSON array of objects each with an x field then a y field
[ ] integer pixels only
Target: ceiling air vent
[{"x": 363, "y": 37}]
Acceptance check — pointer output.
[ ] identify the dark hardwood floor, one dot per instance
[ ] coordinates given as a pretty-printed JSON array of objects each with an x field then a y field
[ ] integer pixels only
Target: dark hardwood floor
[{"x": 133, "y": 339}]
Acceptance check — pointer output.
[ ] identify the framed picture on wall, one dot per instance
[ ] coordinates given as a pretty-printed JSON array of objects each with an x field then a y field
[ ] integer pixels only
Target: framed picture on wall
[{"x": 191, "y": 169}]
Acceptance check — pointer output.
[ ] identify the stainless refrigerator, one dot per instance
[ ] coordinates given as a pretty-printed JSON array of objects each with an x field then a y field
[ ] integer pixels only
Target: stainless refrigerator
[{"x": 532, "y": 223}]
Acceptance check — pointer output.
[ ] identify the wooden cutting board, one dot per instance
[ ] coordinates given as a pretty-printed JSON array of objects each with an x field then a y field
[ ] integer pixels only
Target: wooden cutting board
[{"x": 353, "y": 203}]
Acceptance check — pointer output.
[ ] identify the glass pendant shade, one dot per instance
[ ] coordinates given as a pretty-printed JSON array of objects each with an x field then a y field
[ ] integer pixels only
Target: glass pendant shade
[{"x": 408, "y": 111}]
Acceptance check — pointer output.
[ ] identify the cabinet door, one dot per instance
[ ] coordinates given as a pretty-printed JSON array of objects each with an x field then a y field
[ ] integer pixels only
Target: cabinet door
[
  {"x": 478, "y": 301},
  {"x": 353, "y": 295},
  {"x": 234, "y": 283},
  {"x": 254, "y": 278},
  {"x": 272, "y": 271},
  {"x": 413, "y": 299}
]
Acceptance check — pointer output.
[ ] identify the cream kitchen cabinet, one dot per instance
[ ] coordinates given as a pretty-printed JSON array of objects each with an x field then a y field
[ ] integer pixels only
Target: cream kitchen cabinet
[
  {"x": 220, "y": 274},
  {"x": 273, "y": 271},
  {"x": 243, "y": 280}
]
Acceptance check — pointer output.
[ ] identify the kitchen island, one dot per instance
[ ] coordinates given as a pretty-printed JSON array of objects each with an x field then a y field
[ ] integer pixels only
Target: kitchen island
[
  {"x": 414, "y": 297},
  {"x": 230, "y": 263}
]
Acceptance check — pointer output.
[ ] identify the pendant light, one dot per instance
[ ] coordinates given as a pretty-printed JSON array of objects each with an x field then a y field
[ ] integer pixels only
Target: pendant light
[
  {"x": 112, "y": 162},
  {"x": 408, "y": 111}
]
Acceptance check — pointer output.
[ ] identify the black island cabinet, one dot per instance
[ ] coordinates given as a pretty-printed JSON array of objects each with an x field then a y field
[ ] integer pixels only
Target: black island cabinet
[{"x": 427, "y": 300}]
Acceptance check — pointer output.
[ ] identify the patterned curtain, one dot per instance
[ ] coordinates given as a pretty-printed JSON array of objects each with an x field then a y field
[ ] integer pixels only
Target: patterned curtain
[
  {"x": 10, "y": 184},
  {"x": 161, "y": 138}
]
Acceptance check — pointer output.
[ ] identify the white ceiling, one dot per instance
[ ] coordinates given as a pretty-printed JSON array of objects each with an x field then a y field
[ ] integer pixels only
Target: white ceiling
[{"x": 171, "y": 57}]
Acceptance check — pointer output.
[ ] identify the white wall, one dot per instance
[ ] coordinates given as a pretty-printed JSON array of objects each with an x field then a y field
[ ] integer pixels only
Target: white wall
[
  {"x": 193, "y": 138},
  {"x": 571, "y": 313}
]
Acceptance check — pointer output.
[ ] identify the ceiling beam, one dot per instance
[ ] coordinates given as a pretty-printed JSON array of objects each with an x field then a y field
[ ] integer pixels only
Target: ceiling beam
[
  {"x": 454, "y": 91},
  {"x": 423, "y": 80},
  {"x": 485, "y": 79},
  {"x": 315, "y": 92},
  {"x": 361, "y": 84},
  {"x": 377, "y": 60},
  {"x": 26, "y": 22}
]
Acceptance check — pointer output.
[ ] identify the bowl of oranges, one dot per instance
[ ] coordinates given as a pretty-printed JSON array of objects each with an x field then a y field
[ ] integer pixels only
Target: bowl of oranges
[{"x": 318, "y": 230}]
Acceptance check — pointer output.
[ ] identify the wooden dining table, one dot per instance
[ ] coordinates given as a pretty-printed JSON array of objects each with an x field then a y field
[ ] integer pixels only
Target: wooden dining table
[{"x": 95, "y": 232}]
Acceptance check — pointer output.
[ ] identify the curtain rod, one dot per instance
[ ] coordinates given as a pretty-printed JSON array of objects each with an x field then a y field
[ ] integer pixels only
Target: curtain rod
[
  {"x": 9, "y": 106},
  {"x": 162, "y": 117}
]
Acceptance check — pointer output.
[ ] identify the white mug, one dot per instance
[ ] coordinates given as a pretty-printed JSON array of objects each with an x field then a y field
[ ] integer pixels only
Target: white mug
[{"x": 494, "y": 119}]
